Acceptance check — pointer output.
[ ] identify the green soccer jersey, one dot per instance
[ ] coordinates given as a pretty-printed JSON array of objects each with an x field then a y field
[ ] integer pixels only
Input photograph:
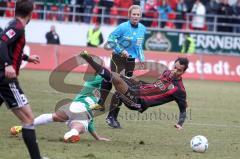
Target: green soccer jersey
[{"x": 89, "y": 95}]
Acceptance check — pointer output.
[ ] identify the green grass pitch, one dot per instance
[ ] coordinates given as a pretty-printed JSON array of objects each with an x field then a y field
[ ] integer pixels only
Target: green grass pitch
[{"x": 214, "y": 109}]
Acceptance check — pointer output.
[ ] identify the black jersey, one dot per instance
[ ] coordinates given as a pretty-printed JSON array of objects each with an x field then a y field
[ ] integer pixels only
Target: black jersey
[{"x": 12, "y": 41}]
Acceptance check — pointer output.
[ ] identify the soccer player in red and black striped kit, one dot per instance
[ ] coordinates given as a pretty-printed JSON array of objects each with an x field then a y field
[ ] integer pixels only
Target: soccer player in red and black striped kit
[
  {"x": 140, "y": 95},
  {"x": 12, "y": 42}
]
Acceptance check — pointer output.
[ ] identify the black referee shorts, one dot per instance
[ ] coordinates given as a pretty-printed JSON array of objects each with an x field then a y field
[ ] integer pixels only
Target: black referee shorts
[
  {"x": 12, "y": 94},
  {"x": 119, "y": 63}
]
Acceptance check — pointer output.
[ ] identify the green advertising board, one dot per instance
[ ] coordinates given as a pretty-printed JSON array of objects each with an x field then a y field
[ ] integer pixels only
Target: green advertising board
[{"x": 205, "y": 43}]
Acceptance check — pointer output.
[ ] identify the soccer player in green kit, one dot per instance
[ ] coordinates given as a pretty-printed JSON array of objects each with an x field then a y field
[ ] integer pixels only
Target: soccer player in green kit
[{"x": 78, "y": 115}]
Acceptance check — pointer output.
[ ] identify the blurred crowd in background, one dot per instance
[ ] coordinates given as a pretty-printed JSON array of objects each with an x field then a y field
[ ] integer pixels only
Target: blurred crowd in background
[{"x": 203, "y": 15}]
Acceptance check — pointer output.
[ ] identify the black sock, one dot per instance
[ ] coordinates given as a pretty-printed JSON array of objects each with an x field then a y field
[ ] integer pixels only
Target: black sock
[
  {"x": 97, "y": 67},
  {"x": 116, "y": 111},
  {"x": 29, "y": 138},
  {"x": 115, "y": 103},
  {"x": 105, "y": 73},
  {"x": 104, "y": 91}
]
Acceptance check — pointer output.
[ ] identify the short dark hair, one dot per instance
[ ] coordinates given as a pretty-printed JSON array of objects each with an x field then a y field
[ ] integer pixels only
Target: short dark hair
[
  {"x": 183, "y": 61},
  {"x": 23, "y": 8}
]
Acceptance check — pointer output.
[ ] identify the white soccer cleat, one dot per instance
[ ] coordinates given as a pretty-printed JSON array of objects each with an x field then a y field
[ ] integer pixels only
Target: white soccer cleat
[{"x": 72, "y": 136}]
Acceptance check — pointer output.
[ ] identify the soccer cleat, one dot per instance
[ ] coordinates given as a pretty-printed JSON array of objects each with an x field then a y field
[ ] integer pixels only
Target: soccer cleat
[
  {"x": 72, "y": 139},
  {"x": 15, "y": 130},
  {"x": 112, "y": 122},
  {"x": 72, "y": 136},
  {"x": 97, "y": 107},
  {"x": 118, "y": 124},
  {"x": 84, "y": 54}
]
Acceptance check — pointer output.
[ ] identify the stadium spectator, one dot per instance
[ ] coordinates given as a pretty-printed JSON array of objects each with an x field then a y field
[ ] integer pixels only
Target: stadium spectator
[
  {"x": 126, "y": 41},
  {"x": 12, "y": 41},
  {"x": 204, "y": 2},
  {"x": 141, "y": 95},
  {"x": 163, "y": 10},
  {"x": 106, "y": 6},
  {"x": 3, "y": 4},
  {"x": 139, "y": 2},
  {"x": 188, "y": 46},
  {"x": 94, "y": 36},
  {"x": 236, "y": 20},
  {"x": 88, "y": 8},
  {"x": 150, "y": 11},
  {"x": 78, "y": 114},
  {"x": 66, "y": 11},
  {"x": 53, "y": 8},
  {"x": 79, "y": 9},
  {"x": 52, "y": 36},
  {"x": 173, "y": 4},
  {"x": 123, "y": 6},
  {"x": 189, "y": 4},
  {"x": 198, "y": 19},
  {"x": 181, "y": 13},
  {"x": 224, "y": 20},
  {"x": 10, "y": 9},
  {"x": 211, "y": 9}
]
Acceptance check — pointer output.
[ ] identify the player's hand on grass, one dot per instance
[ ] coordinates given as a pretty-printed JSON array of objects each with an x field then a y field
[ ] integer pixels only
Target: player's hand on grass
[
  {"x": 103, "y": 139},
  {"x": 34, "y": 59},
  {"x": 10, "y": 72},
  {"x": 178, "y": 127}
]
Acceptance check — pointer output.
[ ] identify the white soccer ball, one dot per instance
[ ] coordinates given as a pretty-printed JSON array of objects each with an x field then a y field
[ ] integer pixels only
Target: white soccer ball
[{"x": 199, "y": 143}]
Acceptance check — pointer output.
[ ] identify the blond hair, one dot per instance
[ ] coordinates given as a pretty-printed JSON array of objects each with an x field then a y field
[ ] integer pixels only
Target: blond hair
[{"x": 132, "y": 7}]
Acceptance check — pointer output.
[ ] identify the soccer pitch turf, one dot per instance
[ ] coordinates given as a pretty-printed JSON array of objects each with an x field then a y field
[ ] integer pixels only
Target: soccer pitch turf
[{"x": 213, "y": 112}]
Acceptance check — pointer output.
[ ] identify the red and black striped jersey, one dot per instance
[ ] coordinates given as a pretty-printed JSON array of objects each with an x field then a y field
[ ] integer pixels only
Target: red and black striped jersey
[
  {"x": 162, "y": 91},
  {"x": 12, "y": 42}
]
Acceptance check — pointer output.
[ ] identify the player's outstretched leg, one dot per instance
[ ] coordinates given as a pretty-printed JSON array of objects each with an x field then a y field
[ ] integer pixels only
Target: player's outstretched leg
[
  {"x": 40, "y": 120},
  {"x": 102, "y": 71}
]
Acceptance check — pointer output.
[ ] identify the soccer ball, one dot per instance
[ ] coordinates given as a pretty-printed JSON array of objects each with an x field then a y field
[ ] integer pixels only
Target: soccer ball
[{"x": 199, "y": 143}]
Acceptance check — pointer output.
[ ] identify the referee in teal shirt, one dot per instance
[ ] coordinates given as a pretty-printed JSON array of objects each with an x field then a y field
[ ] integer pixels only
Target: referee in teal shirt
[{"x": 126, "y": 41}]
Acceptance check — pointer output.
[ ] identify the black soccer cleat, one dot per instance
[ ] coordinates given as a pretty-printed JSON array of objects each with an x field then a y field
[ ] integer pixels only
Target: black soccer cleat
[{"x": 113, "y": 123}]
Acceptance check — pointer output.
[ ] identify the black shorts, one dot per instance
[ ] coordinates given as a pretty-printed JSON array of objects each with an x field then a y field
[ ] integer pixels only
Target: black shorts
[
  {"x": 12, "y": 94},
  {"x": 119, "y": 63},
  {"x": 132, "y": 94}
]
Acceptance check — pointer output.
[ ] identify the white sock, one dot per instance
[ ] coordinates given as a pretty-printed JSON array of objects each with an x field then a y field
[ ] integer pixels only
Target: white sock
[{"x": 43, "y": 119}]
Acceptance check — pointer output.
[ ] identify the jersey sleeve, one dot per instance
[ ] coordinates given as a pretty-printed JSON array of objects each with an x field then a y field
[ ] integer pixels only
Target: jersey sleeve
[
  {"x": 182, "y": 105},
  {"x": 8, "y": 36},
  {"x": 141, "y": 53},
  {"x": 113, "y": 39},
  {"x": 91, "y": 126}
]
